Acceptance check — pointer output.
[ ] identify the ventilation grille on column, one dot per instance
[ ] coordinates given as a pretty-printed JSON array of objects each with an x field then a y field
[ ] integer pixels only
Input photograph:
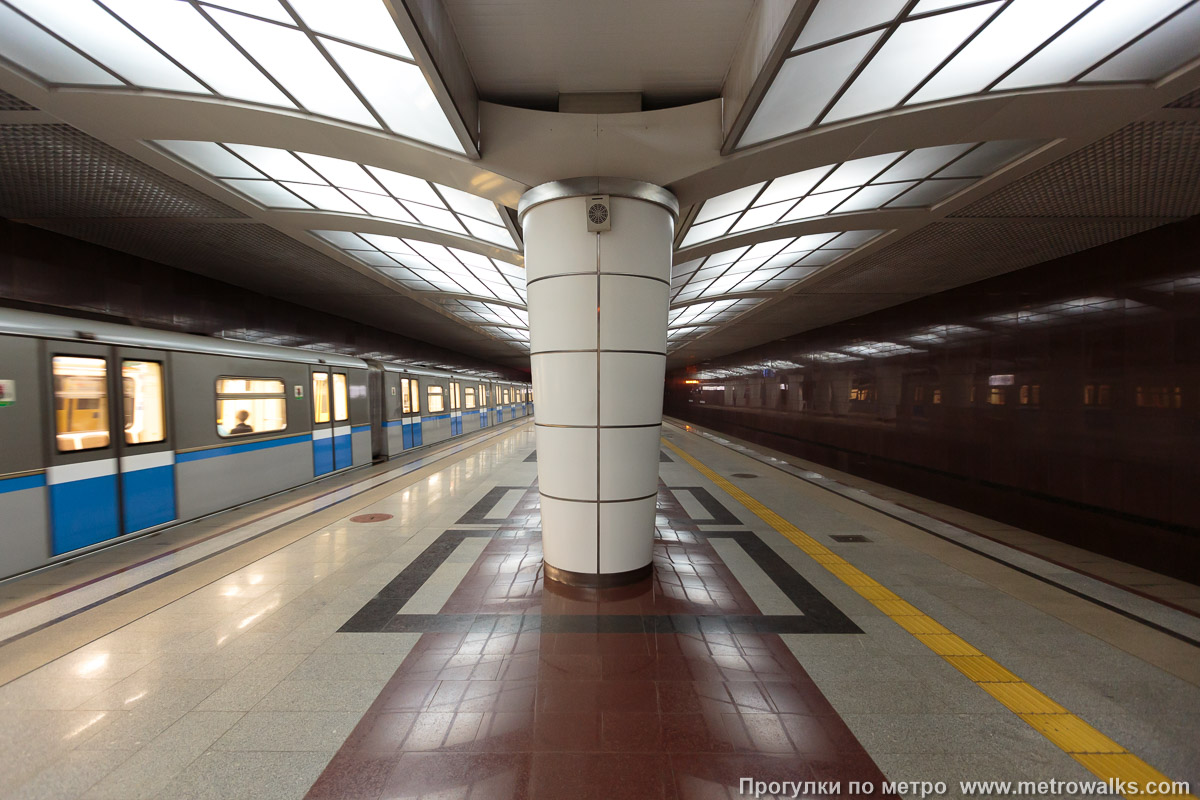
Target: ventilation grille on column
[{"x": 599, "y": 213}]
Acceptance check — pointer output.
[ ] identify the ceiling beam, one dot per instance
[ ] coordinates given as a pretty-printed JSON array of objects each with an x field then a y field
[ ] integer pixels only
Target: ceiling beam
[
  {"x": 770, "y": 31},
  {"x": 426, "y": 27}
]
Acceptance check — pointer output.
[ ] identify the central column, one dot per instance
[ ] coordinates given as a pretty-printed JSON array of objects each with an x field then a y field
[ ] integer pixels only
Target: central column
[{"x": 598, "y": 270}]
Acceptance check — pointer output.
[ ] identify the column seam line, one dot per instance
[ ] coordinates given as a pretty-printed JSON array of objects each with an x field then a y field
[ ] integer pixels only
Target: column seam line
[
  {"x": 606, "y": 350},
  {"x": 601, "y": 427},
  {"x": 585, "y": 275},
  {"x": 577, "y": 500},
  {"x": 598, "y": 392}
]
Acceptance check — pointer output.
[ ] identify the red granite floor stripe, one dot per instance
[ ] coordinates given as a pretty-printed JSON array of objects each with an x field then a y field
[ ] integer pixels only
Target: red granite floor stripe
[{"x": 497, "y": 714}]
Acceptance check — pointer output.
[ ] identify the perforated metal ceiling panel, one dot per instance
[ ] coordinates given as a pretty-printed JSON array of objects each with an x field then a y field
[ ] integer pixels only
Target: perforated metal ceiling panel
[
  {"x": 1147, "y": 169},
  {"x": 10, "y": 102},
  {"x": 953, "y": 253},
  {"x": 59, "y": 171},
  {"x": 1190, "y": 100}
]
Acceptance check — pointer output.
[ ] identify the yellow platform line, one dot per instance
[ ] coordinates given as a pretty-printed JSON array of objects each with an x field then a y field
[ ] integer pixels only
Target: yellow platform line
[{"x": 1096, "y": 752}]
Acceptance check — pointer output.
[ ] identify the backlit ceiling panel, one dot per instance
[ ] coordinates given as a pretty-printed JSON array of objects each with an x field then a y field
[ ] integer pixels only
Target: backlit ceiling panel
[
  {"x": 276, "y": 178},
  {"x": 485, "y": 292},
  {"x": 852, "y": 59},
  {"x": 766, "y": 267},
  {"x": 693, "y": 320},
  {"x": 344, "y": 60},
  {"x": 709, "y": 292},
  {"x": 906, "y": 179}
]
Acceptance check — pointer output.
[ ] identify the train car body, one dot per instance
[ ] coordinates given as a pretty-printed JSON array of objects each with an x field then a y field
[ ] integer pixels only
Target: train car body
[
  {"x": 110, "y": 432},
  {"x": 421, "y": 407}
]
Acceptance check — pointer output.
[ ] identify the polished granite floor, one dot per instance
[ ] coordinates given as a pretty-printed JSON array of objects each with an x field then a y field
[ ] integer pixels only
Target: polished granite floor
[{"x": 417, "y": 652}]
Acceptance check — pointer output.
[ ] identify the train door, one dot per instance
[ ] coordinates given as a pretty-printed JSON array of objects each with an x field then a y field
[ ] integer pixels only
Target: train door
[
  {"x": 343, "y": 441},
  {"x": 112, "y": 461},
  {"x": 410, "y": 390},
  {"x": 82, "y": 476},
  {"x": 455, "y": 408},
  {"x": 147, "y": 460},
  {"x": 332, "y": 443},
  {"x": 322, "y": 419}
]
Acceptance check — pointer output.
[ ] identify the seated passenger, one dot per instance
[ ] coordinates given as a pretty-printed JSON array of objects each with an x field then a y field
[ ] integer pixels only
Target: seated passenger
[{"x": 241, "y": 426}]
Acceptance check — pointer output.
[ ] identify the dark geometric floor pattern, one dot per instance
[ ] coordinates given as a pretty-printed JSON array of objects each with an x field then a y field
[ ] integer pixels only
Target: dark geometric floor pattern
[{"x": 676, "y": 687}]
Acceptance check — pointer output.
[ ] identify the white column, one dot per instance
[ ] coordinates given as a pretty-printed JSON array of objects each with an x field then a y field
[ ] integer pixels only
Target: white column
[{"x": 598, "y": 341}]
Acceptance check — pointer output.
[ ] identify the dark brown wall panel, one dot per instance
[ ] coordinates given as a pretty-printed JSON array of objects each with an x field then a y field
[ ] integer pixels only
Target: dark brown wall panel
[
  {"x": 46, "y": 271},
  {"x": 1063, "y": 398}
]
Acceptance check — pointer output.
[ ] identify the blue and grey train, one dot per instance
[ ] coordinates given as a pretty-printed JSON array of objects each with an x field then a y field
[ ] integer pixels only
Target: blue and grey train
[{"x": 108, "y": 431}]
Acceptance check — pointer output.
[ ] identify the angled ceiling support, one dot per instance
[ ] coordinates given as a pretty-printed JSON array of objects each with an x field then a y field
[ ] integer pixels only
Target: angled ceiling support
[
  {"x": 770, "y": 31},
  {"x": 427, "y": 29}
]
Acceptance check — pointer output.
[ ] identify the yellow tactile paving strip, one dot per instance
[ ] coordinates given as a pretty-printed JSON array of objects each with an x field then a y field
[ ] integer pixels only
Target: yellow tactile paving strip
[{"x": 1095, "y": 751}]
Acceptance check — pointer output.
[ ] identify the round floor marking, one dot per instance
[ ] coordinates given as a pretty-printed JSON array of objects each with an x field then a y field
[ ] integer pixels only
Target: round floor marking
[{"x": 370, "y": 517}]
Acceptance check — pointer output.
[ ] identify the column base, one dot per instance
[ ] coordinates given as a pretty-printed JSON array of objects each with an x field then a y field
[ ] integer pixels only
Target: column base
[{"x": 591, "y": 580}]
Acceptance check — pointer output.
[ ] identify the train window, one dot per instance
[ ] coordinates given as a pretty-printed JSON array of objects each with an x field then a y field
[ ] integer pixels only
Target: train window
[
  {"x": 483, "y": 395},
  {"x": 469, "y": 396},
  {"x": 142, "y": 387},
  {"x": 436, "y": 401},
  {"x": 1159, "y": 397},
  {"x": 250, "y": 405},
  {"x": 405, "y": 397},
  {"x": 320, "y": 395},
  {"x": 80, "y": 403},
  {"x": 455, "y": 399},
  {"x": 506, "y": 396},
  {"x": 249, "y": 386},
  {"x": 341, "y": 407}
]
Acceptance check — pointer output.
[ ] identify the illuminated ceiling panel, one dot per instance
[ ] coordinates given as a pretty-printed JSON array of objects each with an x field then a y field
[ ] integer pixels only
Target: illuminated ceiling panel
[
  {"x": 906, "y": 179},
  {"x": 855, "y": 59},
  {"x": 508, "y": 324},
  {"x": 426, "y": 267},
  {"x": 765, "y": 267},
  {"x": 693, "y": 320},
  {"x": 1071, "y": 310},
  {"x": 276, "y": 178},
  {"x": 346, "y": 61}
]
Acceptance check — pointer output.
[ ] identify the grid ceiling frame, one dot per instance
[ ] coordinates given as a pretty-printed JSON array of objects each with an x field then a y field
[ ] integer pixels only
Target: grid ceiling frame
[
  {"x": 862, "y": 64},
  {"x": 283, "y": 179},
  {"x": 120, "y": 47},
  {"x": 905, "y": 179}
]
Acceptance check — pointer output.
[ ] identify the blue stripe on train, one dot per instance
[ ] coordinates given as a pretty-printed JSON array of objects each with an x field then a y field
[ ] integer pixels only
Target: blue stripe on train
[
  {"x": 148, "y": 497},
  {"x": 24, "y": 482},
  {"x": 233, "y": 449},
  {"x": 83, "y": 513},
  {"x": 343, "y": 450},
  {"x": 322, "y": 455}
]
